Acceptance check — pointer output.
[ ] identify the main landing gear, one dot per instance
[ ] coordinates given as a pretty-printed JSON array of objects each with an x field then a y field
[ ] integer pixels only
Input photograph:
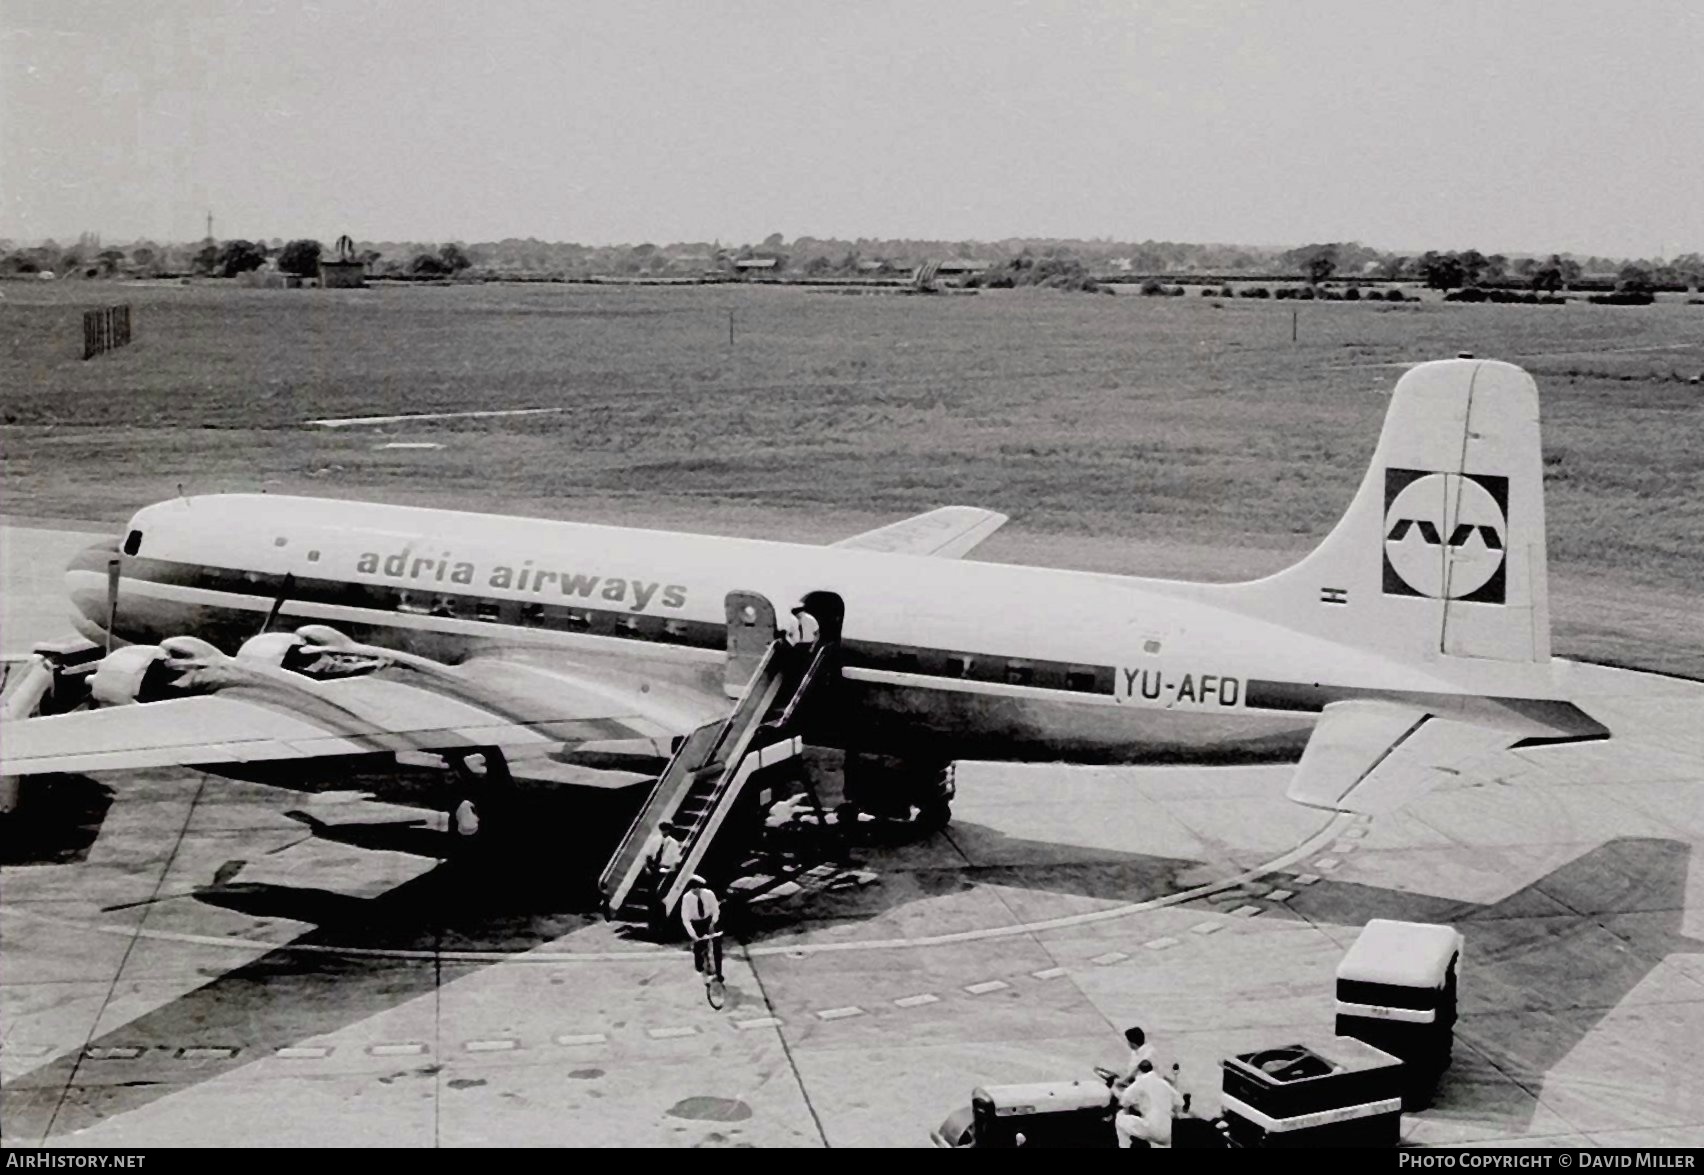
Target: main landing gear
[{"x": 885, "y": 790}]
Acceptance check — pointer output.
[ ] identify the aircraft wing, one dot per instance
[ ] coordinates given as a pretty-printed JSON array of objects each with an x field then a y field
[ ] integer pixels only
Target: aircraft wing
[
  {"x": 1374, "y": 757},
  {"x": 279, "y": 716},
  {"x": 948, "y": 533}
]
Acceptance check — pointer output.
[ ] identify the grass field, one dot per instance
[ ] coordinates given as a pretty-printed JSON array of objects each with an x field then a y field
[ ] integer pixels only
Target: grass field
[{"x": 1154, "y": 435}]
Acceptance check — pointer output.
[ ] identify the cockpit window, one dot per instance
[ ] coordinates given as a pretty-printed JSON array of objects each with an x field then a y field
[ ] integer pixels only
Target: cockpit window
[{"x": 133, "y": 542}]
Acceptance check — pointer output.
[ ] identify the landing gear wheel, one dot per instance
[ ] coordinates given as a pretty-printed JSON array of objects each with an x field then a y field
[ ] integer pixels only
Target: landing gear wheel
[{"x": 934, "y": 816}]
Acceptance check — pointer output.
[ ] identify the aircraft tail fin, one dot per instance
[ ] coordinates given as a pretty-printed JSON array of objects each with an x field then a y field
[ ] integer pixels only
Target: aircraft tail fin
[{"x": 1442, "y": 552}]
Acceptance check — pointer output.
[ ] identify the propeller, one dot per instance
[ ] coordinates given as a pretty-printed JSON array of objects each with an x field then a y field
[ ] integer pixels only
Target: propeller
[
  {"x": 278, "y": 604},
  {"x": 112, "y": 599}
]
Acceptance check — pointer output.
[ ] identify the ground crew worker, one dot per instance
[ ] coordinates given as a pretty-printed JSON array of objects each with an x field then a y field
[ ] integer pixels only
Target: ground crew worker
[
  {"x": 701, "y": 914},
  {"x": 666, "y": 854},
  {"x": 803, "y": 630},
  {"x": 1140, "y": 1050},
  {"x": 666, "y": 851},
  {"x": 466, "y": 820},
  {"x": 1146, "y": 1109}
]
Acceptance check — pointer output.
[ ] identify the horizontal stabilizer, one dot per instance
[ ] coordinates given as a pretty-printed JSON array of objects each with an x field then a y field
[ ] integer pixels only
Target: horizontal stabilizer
[{"x": 1374, "y": 757}]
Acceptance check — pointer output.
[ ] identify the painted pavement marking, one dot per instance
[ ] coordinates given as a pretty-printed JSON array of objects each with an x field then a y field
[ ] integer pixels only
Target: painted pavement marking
[
  {"x": 575, "y": 1038},
  {"x": 1050, "y": 973},
  {"x": 1160, "y": 944},
  {"x": 128, "y": 1052},
  {"x": 346, "y": 421},
  {"x": 304, "y": 1052},
  {"x": 839, "y": 1013},
  {"x": 395, "y": 1050},
  {"x": 674, "y": 1033},
  {"x": 917, "y": 1001},
  {"x": 207, "y": 1053},
  {"x": 1205, "y": 928},
  {"x": 500, "y": 1045},
  {"x": 1109, "y": 958},
  {"x": 986, "y": 986},
  {"x": 758, "y": 1022}
]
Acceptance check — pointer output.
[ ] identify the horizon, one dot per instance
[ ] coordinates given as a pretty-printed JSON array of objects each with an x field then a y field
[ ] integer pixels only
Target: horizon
[
  {"x": 733, "y": 246},
  {"x": 1522, "y": 127}
]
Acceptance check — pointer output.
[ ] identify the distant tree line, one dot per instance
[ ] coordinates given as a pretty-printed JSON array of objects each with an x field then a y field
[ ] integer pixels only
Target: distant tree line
[{"x": 1056, "y": 263}]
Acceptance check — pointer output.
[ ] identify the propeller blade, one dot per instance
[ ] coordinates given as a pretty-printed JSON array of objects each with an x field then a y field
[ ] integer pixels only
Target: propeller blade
[
  {"x": 112, "y": 600},
  {"x": 278, "y": 604}
]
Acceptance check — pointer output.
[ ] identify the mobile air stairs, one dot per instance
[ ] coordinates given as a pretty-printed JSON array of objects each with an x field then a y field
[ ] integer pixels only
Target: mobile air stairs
[{"x": 700, "y": 790}]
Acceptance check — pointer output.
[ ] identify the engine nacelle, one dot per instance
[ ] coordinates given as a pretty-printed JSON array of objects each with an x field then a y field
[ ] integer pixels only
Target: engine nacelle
[
  {"x": 123, "y": 675},
  {"x": 189, "y": 652},
  {"x": 325, "y": 636},
  {"x": 279, "y": 649}
]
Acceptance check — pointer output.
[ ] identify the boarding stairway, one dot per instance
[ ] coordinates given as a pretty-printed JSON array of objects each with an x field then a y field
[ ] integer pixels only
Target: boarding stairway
[{"x": 712, "y": 769}]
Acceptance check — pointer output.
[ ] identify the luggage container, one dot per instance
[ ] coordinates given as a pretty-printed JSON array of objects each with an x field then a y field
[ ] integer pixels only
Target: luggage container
[
  {"x": 1338, "y": 1091},
  {"x": 1396, "y": 990}
]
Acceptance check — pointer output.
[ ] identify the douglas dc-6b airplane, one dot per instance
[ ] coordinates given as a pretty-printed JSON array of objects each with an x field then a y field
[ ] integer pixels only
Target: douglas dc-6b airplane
[{"x": 1414, "y": 639}]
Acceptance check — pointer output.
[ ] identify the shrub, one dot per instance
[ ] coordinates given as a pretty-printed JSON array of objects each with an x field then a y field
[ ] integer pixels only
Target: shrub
[
  {"x": 1226, "y": 292},
  {"x": 1622, "y": 298},
  {"x": 1352, "y": 294},
  {"x": 1257, "y": 292},
  {"x": 1151, "y": 287},
  {"x": 1206, "y": 291}
]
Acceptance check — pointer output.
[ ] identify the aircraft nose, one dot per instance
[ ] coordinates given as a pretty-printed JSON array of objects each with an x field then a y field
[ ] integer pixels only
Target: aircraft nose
[{"x": 86, "y": 588}]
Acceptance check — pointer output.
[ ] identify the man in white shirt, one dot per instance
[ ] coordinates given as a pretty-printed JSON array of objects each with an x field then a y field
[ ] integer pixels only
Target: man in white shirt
[
  {"x": 701, "y": 914},
  {"x": 663, "y": 854},
  {"x": 803, "y": 630},
  {"x": 1146, "y": 1109},
  {"x": 1140, "y": 1050}
]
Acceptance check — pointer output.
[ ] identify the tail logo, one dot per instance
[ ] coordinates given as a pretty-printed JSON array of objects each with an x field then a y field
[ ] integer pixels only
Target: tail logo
[{"x": 1444, "y": 535}]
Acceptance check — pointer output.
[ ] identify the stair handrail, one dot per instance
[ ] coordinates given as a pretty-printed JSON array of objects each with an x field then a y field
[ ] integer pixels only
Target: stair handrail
[
  {"x": 819, "y": 656},
  {"x": 666, "y": 798}
]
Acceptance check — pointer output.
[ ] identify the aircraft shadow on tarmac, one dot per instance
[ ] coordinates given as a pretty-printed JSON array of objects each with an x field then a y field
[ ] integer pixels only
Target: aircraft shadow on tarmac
[
  {"x": 57, "y": 823},
  {"x": 1565, "y": 949}
]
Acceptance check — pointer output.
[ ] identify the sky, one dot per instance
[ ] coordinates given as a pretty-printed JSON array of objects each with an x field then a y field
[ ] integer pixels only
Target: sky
[{"x": 1505, "y": 125}]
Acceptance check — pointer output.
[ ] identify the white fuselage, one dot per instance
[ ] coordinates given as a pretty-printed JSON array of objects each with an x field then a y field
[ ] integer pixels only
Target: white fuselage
[{"x": 960, "y": 658}]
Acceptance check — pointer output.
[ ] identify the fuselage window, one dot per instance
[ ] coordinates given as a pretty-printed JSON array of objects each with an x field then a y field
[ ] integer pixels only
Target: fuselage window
[
  {"x": 1081, "y": 679},
  {"x": 1019, "y": 673},
  {"x": 279, "y": 541},
  {"x": 579, "y": 621},
  {"x": 533, "y": 613},
  {"x": 313, "y": 556},
  {"x": 958, "y": 665},
  {"x": 133, "y": 542},
  {"x": 488, "y": 610}
]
